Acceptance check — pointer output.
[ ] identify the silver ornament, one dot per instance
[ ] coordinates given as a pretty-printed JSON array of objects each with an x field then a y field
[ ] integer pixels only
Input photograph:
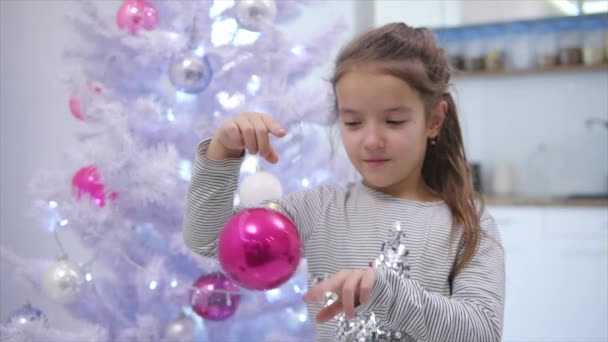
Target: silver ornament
[
  {"x": 255, "y": 15},
  {"x": 190, "y": 72},
  {"x": 63, "y": 281},
  {"x": 25, "y": 316},
  {"x": 180, "y": 330}
]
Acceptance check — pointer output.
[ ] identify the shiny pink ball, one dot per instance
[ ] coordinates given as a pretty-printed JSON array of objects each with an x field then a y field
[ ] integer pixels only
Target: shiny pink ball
[
  {"x": 76, "y": 107},
  {"x": 259, "y": 248},
  {"x": 88, "y": 181},
  {"x": 214, "y": 297},
  {"x": 136, "y": 14}
]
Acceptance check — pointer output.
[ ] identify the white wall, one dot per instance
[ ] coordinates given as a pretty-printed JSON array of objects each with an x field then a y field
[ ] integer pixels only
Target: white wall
[
  {"x": 36, "y": 128},
  {"x": 444, "y": 13},
  {"x": 431, "y": 13}
]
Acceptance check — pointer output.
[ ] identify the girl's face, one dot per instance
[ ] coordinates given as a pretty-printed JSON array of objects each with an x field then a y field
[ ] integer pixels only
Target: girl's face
[{"x": 384, "y": 130}]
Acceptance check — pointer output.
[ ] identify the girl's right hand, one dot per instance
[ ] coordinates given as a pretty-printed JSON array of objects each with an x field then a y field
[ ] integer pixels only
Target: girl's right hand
[{"x": 246, "y": 131}]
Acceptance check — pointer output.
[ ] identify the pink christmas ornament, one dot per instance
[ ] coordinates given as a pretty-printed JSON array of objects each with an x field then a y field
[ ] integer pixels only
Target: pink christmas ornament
[
  {"x": 259, "y": 248},
  {"x": 76, "y": 107},
  {"x": 94, "y": 87},
  {"x": 136, "y": 14},
  {"x": 88, "y": 181},
  {"x": 214, "y": 297},
  {"x": 75, "y": 102}
]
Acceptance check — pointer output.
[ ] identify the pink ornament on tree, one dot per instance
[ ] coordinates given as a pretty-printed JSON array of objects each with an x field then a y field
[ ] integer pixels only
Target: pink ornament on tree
[
  {"x": 76, "y": 104},
  {"x": 76, "y": 107},
  {"x": 259, "y": 248},
  {"x": 214, "y": 297},
  {"x": 88, "y": 181},
  {"x": 136, "y": 14}
]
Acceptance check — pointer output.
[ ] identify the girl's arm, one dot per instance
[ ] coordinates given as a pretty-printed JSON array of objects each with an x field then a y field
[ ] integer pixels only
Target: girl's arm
[
  {"x": 474, "y": 311},
  {"x": 210, "y": 199}
]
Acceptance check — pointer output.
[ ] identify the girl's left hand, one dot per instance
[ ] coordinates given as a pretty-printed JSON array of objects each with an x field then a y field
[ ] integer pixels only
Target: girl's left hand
[{"x": 353, "y": 288}]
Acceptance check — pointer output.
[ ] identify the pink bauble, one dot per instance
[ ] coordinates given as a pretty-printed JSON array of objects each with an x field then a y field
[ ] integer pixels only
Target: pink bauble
[
  {"x": 88, "y": 181},
  {"x": 76, "y": 107},
  {"x": 76, "y": 103},
  {"x": 214, "y": 297},
  {"x": 259, "y": 248},
  {"x": 136, "y": 14}
]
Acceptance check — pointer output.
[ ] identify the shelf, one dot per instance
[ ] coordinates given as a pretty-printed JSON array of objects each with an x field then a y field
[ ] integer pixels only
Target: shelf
[
  {"x": 523, "y": 201},
  {"x": 543, "y": 71}
]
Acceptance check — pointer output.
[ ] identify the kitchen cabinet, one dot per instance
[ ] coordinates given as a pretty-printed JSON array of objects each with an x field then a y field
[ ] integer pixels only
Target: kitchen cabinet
[{"x": 557, "y": 272}]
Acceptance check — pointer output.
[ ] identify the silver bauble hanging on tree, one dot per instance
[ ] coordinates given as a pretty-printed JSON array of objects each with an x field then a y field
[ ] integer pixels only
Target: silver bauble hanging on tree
[
  {"x": 63, "y": 281},
  {"x": 255, "y": 15},
  {"x": 190, "y": 71},
  {"x": 180, "y": 330},
  {"x": 25, "y": 316}
]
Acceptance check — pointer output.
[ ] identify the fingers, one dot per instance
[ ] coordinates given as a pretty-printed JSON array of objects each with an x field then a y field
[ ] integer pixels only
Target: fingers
[
  {"x": 329, "y": 312},
  {"x": 252, "y": 130},
  {"x": 263, "y": 141},
  {"x": 232, "y": 136},
  {"x": 333, "y": 284},
  {"x": 367, "y": 285},
  {"x": 248, "y": 133},
  {"x": 273, "y": 126},
  {"x": 354, "y": 288},
  {"x": 350, "y": 292}
]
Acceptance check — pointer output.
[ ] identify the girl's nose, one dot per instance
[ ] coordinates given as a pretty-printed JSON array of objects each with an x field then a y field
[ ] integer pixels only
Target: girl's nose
[{"x": 373, "y": 140}]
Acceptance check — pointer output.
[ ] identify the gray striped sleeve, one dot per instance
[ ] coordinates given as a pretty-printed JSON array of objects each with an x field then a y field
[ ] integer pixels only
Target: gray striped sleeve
[
  {"x": 210, "y": 199},
  {"x": 474, "y": 311}
]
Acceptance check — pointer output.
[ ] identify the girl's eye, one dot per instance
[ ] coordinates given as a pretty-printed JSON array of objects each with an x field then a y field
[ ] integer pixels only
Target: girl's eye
[
  {"x": 395, "y": 122},
  {"x": 351, "y": 123}
]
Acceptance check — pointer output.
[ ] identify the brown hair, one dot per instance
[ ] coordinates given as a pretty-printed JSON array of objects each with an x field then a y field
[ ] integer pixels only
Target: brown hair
[{"x": 412, "y": 55}]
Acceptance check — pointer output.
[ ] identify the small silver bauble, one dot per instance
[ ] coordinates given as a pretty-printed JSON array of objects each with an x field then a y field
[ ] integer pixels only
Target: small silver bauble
[
  {"x": 190, "y": 72},
  {"x": 63, "y": 281},
  {"x": 180, "y": 330},
  {"x": 254, "y": 15},
  {"x": 25, "y": 316}
]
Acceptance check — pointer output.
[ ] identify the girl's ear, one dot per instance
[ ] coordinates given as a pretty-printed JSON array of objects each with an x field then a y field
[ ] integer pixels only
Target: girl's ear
[{"x": 436, "y": 119}]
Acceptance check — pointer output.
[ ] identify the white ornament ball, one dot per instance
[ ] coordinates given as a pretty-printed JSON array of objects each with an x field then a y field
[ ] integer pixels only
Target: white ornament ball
[
  {"x": 254, "y": 15},
  {"x": 258, "y": 187},
  {"x": 63, "y": 281},
  {"x": 180, "y": 330}
]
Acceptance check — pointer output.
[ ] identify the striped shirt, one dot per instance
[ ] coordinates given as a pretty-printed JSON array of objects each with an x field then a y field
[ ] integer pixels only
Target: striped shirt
[{"x": 344, "y": 227}]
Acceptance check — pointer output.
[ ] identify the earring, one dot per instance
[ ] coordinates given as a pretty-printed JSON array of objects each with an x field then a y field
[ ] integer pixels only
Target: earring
[{"x": 433, "y": 141}]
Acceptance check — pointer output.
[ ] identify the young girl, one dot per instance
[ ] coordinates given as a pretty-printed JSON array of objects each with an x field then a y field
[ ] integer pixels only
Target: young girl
[{"x": 400, "y": 130}]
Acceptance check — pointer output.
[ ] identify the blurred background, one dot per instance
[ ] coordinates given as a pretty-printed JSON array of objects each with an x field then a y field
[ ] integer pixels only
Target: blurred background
[{"x": 532, "y": 90}]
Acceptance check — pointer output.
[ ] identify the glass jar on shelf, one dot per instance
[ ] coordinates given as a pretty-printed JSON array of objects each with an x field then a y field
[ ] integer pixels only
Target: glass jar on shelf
[
  {"x": 605, "y": 29},
  {"x": 593, "y": 40},
  {"x": 494, "y": 44},
  {"x": 570, "y": 42},
  {"x": 451, "y": 41},
  {"x": 473, "y": 50},
  {"x": 519, "y": 50},
  {"x": 545, "y": 44}
]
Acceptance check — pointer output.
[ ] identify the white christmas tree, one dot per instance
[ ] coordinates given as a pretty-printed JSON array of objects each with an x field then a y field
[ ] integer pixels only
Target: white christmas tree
[{"x": 148, "y": 87}]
